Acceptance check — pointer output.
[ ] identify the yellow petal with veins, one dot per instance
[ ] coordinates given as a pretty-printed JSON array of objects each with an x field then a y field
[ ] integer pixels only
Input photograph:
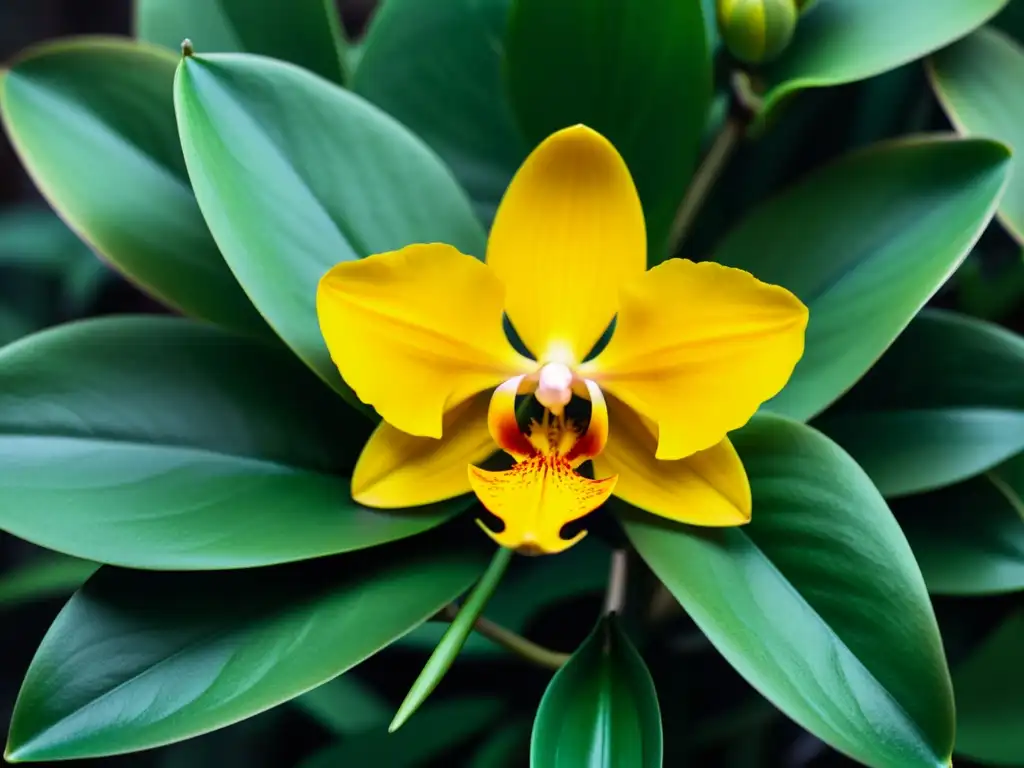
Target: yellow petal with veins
[
  {"x": 416, "y": 332},
  {"x": 568, "y": 232},
  {"x": 535, "y": 499},
  {"x": 709, "y": 488},
  {"x": 396, "y": 469},
  {"x": 697, "y": 348}
]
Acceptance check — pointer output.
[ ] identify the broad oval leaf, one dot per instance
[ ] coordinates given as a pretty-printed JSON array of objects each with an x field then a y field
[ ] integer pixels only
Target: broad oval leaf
[
  {"x": 977, "y": 81},
  {"x": 294, "y": 174},
  {"x": 607, "y": 64},
  {"x": 818, "y": 602},
  {"x": 842, "y": 41},
  {"x": 437, "y": 68},
  {"x": 865, "y": 242},
  {"x": 304, "y": 32},
  {"x": 600, "y": 709},
  {"x": 159, "y": 443},
  {"x": 92, "y": 120},
  {"x": 969, "y": 538},
  {"x": 990, "y": 698},
  {"x": 944, "y": 403},
  {"x": 137, "y": 660}
]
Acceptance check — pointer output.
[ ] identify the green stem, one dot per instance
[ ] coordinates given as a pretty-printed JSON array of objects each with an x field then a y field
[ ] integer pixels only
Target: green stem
[
  {"x": 618, "y": 571},
  {"x": 519, "y": 645}
]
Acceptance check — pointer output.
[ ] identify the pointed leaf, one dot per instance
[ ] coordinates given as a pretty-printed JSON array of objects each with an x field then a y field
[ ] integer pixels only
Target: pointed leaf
[
  {"x": 943, "y": 404},
  {"x": 437, "y": 68},
  {"x": 160, "y": 443},
  {"x": 977, "y": 80},
  {"x": 600, "y": 709},
  {"x": 969, "y": 538},
  {"x": 304, "y": 32},
  {"x": 47, "y": 576},
  {"x": 294, "y": 175},
  {"x": 640, "y": 73},
  {"x": 138, "y": 660},
  {"x": 841, "y": 41},
  {"x": 818, "y": 602},
  {"x": 879, "y": 232},
  {"x": 990, "y": 698},
  {"x": 92, "y": 120}
]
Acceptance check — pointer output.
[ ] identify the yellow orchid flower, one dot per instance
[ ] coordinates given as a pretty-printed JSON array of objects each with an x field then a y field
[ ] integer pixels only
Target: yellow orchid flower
[{"x": 696, "y": 348}]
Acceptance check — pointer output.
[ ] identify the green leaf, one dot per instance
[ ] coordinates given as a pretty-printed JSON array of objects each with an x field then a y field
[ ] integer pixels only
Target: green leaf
[
  {"x": 437, "y": 68},
  {"x": 346, "y": 705},
  {"x": 454, "y": 638},
  {"x": 842, "y": 41},
  {"x": 304, "y": 32},
  {"x": 138, "y": 660},
  {"x": 155, "y": 442},
  {"x": 440, "y": 726},
  {"x": 47, "y": 576},
  {"x": 943, "y": 404},
  {"x": 34, "y": 237},
  {"x": 969, "y": 538},
  {"x": 865, "y": 242},
  {"x": 294, "y": 175},
  {"x": 506, "y": 747},
  {"x": 977, "y": 81},
  {"x": 639, "y": 73},
  {"x": 990, "y": 698},
  {"x": 818, "y": 602},
  {"x": 600, "y": 709},
  {"x": 92, "y": 121}
]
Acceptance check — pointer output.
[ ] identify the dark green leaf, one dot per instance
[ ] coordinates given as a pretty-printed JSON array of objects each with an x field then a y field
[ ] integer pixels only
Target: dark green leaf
[
  {"x": 93, "y": 122},
  {"x": 436, "y": 66},
  {"x": 137, "y": 660},
  {"x": 990, "y": 698},
  {"x": 294, "y": 175},
  {"x": 160, "y": 443},
  {"x": 841, "y": 41},
  {"x": 943, "y": 404},
  {"x": 506, "y": 747},
  {"x": 640, "y": 73},
  {"x": 346, "y": 705},
  {"x": 818, "y": 602},
  {"x": 864, "y": 243},
  {"x": 438, "y": 728},
  {"x": 969, "y": 538},
  {"x": 600, "y": 709},
  {"x": 978, "y": 82},
  {"x": 304, "y": 32},
  {"x": 49, "y": 575}
]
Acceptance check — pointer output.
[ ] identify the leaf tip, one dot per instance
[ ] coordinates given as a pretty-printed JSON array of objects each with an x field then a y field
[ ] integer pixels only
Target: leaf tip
[{"x": 187, "y": 51}]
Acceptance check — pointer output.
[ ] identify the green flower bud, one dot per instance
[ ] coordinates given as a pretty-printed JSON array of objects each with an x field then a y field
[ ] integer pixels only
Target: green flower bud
[{"x": 756, "y": 31}]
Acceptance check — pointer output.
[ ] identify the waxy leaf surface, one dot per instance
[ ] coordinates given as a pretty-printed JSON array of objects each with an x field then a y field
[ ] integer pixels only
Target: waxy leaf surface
[
  {"x": 92, "y": 121},
  {"x": 865, "y": 242},
  {"x": 160, "y": 443},
  {"x": 136, "y": 660},
  {"x": 818, "y": 602},
  {"x": 294, "y": 175},
  {"x": 944, "y": 403}
]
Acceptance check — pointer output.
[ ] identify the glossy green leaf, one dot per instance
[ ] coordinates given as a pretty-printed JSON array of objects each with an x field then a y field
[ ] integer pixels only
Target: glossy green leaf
[
  {"x": 818, "y": 602},
  {"x": 600, "y": 709},
  {"x": 969, "y": 538},
  {"x": 842, "y": 41},
  {"x": 159, "y": 443},
  {"x": 943, "y": 404},
  {"x": 437, "y": 68},
  {"x": 92, "y": 120},
  {"x": 640, "y": 73},
  {"x": 137, "y": 660},
  {"x": 876, "y": 234},
  {"x": 346, "y": 705},
  {"x": 978, "y": 82},
  {"x": 304, "y": 32},
  {"x": 454, "y": 638},
  {"x": 990, "y": 698},
  {"x": 47, "y": 576},
  {"x": 294, "y": 175},
  {"x": 435, "y": 731}
]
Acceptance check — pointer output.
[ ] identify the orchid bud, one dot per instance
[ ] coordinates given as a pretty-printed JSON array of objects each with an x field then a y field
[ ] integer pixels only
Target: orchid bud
[{"x": 756, "y": 31}]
